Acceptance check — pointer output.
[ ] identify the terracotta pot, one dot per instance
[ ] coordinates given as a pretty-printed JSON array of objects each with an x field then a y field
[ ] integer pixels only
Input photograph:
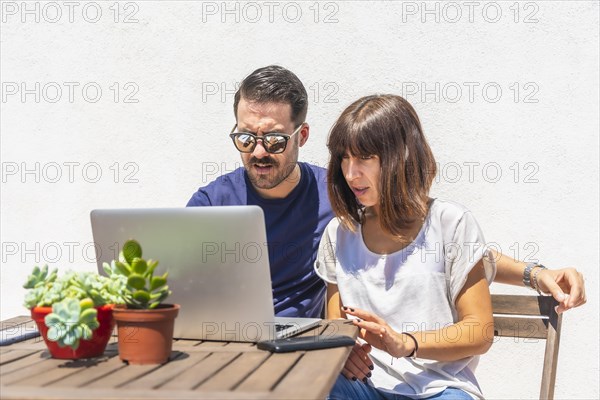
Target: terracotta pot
[
  {"x": 87, "y": 348},
  {"x": 145, "y": 336}
]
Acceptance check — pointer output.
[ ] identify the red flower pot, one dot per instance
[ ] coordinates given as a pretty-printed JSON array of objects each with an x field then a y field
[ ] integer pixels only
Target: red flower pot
[{"x": 87, "y": 348}]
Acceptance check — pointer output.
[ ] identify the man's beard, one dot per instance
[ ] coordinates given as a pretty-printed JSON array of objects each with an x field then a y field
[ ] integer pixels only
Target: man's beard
[{"x": 275, "y": 176}]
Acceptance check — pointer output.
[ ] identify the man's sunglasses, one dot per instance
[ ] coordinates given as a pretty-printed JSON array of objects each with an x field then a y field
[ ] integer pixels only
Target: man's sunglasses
[{"x": 273, "y": 143}]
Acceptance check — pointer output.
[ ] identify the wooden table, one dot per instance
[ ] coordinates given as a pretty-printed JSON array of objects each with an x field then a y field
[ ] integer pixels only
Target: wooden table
[{"x": 197, "y": 370}]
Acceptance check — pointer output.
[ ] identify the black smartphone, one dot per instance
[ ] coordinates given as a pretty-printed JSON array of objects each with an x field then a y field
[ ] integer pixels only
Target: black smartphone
[{"x": 305, "y": 343}]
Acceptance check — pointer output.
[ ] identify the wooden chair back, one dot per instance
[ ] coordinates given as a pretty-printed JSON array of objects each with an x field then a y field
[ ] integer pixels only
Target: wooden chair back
[{"x": 531, "y": 317}]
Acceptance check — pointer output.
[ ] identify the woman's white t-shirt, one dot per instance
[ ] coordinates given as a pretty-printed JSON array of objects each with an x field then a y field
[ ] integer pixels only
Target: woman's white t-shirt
[{"x": 414, "y": 289}]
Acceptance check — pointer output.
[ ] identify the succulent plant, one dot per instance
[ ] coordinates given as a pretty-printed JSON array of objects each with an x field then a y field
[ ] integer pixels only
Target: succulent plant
[
  {"x": 73, "y": 297},
  {"x": 39, "y": 282},
  {"x": 48, "y": 289},
  {"x": 70, "y": 321},
  {"x": 39, "y": 276},
  {"x": 143, "y": 290}
]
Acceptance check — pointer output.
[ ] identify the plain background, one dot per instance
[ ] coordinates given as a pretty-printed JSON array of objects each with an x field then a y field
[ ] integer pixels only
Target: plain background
[{"x": 128, "y": 104}]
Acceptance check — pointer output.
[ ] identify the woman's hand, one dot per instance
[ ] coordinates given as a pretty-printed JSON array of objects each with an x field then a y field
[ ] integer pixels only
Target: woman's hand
[
  {"x": 359, "y": 364},
  {"x": 566, "y": 286},
  {"x": 375, "y": 331}
]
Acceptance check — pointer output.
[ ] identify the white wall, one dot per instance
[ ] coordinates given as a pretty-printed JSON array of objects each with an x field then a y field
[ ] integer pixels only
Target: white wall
[{"x": 175, "y": 65}]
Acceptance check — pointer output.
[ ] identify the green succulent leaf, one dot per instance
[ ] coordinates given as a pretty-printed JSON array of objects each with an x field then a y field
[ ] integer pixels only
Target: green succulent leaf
[
  {"x": 33, "y": 297},
  {"x": 131, "y": 250},
  {"x": 158, "y": 298},
  {"x": 71, "y": 339},
  {"x": 141, "y": 296},
  {"x": 62, "y": 312},
  {"x": 39, "y": 278},
  {"x": 53, "y": 275},
  {"x": 157, "y": 282},
  {"x": 107, "y": 268},
  {"x": 152, "y": 264},
  {"x": 136, "y": 281},
  {"x": 72, "y": 307},
  {"x": 86, "y": 303},
  {"x": 123, "y": 268},
  {"x": 139, "y": 266},
  {"x": 88, "y": 316},
  {"x": 92, "y": 324},
  {"x": 35, "y": 277},
  {"x": 87, "y": 332},
  {"x": 54, "y": 332}
]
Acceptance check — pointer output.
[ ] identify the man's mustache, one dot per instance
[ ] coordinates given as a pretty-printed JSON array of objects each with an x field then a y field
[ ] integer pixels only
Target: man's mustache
[{"x": 265, "y": 161}]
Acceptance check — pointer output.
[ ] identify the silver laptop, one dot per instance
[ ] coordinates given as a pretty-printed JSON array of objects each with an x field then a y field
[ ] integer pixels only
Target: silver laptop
[{"x": 218, "y": 267}]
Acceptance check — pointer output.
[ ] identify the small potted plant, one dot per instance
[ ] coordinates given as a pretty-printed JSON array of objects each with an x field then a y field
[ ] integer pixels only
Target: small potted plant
[
  {"x": 73, "y": 312},
  {"x": 144, "y": 325}
]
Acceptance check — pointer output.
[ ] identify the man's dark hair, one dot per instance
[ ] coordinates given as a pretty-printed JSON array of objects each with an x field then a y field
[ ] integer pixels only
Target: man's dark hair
[{"x": 274, "y": 84}]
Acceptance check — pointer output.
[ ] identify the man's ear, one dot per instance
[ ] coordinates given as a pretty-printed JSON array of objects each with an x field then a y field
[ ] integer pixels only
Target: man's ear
[{"x": 304, "y": 134}]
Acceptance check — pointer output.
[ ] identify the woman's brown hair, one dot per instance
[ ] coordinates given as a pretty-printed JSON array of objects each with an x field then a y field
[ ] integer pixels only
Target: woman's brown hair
[{"x": 386, "y": 126}]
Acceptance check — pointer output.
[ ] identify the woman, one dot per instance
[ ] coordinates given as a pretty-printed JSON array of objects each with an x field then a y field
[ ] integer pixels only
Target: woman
[{"x": 412, "y": 272}]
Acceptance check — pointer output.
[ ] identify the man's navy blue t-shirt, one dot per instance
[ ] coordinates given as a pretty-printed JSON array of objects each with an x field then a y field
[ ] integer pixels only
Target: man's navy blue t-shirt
[{"x": 294, "y": 226}]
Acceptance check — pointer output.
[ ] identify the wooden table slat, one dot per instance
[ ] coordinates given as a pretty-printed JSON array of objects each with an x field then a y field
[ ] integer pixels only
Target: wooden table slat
[
  {"x": 14, "y": 355},
  {"x": 239, "y": 345},
  {"x": 269, "y": 373},
  {"x": 219, "y": 349},
  {"x": 208, "y": 366},
  {"x": 37, "y": 368},
  {"x": 22, "y": 363},
  {"x": 122, "y": 376},
  {"x": 65, "y": 369},
  {"x": 308, "y": 369},
  {"x": 211, "y": 343},
  {"x": 168, "y": 371},
  {"x": 101, "y": 368},
  {"x": 186, "y": 343},
  {"x": 234, "y": 373},
  {"x": 37, "y": 344}
]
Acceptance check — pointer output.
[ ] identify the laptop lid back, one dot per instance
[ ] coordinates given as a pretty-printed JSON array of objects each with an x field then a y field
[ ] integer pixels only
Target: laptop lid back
[{"x": 217, "y": 260}]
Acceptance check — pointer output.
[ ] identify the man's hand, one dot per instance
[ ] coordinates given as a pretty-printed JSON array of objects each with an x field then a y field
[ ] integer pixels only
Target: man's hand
[
  {"x": 566, "y": 286},
  {"x": 358, "y": 365}
]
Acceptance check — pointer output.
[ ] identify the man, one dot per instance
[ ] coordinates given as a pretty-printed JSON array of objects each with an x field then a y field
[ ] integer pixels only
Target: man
[{"x": 270, "y": 109}]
